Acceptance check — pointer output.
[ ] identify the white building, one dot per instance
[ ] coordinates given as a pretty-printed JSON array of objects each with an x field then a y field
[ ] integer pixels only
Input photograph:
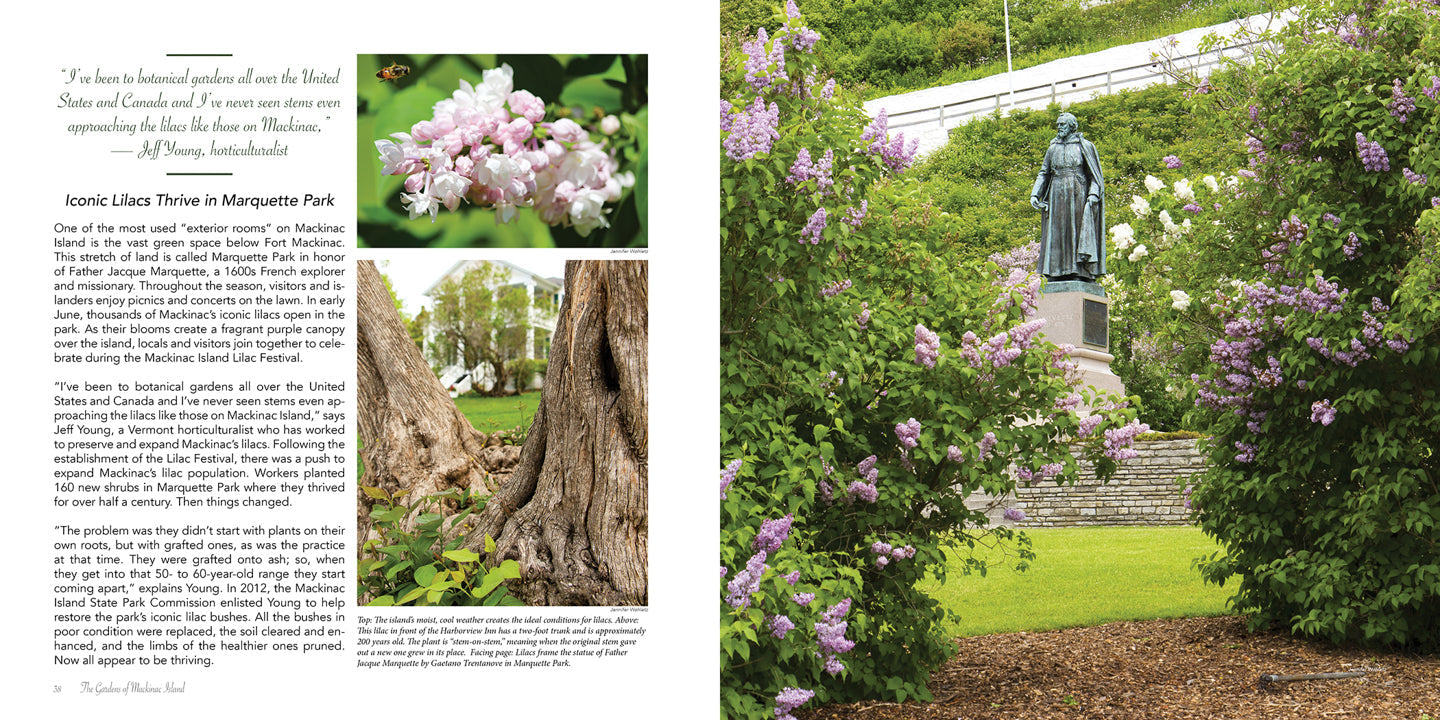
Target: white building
[{"x": 538, "y": 334}]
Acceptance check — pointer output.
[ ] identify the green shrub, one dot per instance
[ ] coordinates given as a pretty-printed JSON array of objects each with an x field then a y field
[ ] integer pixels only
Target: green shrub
[
  {"x": 1317, "y": 275},
  {"x": 522, "y": 373},
  {"x": 870, "y": 382},
  {"x": 418, "y": 566}
]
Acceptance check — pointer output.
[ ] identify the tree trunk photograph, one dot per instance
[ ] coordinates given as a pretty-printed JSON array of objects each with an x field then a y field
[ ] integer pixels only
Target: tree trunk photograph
[{"x": 574, "y": 512}]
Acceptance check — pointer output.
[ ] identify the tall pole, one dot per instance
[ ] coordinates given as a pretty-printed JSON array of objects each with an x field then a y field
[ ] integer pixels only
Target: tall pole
[{"x": 1009, "y": 67}]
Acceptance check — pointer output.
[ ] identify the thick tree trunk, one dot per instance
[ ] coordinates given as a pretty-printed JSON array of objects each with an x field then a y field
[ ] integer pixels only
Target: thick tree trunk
[
  {"x": 575, "y": 513},
  {"x": 411, "y": 433}
]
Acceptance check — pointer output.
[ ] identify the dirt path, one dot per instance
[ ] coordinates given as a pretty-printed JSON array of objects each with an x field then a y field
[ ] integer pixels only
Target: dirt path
[{"x": 1164, "y": 669}]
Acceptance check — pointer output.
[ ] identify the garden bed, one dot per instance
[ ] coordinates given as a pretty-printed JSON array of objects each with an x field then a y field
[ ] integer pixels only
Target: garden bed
[{"x": 1187, "y": 668}]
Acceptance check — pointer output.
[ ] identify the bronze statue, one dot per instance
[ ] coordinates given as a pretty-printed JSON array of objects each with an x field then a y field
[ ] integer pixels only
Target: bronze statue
[{"x": 1069, "y": 192}]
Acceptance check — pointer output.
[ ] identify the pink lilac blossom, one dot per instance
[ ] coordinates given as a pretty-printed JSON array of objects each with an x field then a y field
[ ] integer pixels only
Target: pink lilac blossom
[
  {"x": 1014, "y": 515},
  {"x": 793, "y": 577},
  {"x": 802, "y": 599},
  {"x": 863, "y": 319},
  {"x": 1414, "y": 178},
  {"x": 1434, "y": 89},
  {"x": 1172, "y": 162},
  {"x": 487, "y": 145},
  {"x": 897, "y": 153},
  {"x": 1322, "y": 412}
]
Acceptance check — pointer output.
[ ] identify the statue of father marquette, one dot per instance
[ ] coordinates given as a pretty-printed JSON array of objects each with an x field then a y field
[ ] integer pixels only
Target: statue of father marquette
[{"x": 1070, "y": 195}]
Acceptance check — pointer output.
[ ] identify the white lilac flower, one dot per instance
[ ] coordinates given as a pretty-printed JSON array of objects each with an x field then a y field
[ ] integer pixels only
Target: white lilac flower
[
  {"x": 1153, "y": 184},
  {"x": 1124, "y": 236},
  {"x": 1139, "y": 252},
  {"x": 1183, "y": 191},
  {"x": 1180, "y": 300},
  {"x": 1211, "y": 182},
  {"x": 1140, "y": 206}
]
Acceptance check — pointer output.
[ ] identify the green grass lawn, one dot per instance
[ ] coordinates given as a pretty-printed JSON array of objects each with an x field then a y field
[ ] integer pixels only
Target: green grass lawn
[
  {"x": 503, "y": 413},
  {"x": 1085, "y": 576}
]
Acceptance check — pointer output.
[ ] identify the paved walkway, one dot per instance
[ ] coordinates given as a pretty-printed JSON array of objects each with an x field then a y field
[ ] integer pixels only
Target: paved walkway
[{"x": 1066, "y": 74}]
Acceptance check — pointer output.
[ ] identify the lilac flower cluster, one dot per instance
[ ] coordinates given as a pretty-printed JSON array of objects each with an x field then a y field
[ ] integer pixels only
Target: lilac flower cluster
[
  {"x": 773, "y": 534},
  {"x": 1172, "y": 162},
  {"x": 927, "y": 347},
  {"x": 1414, "y": 178},
  {"x": 804, "y": 169},
  {"x": 1352, "y": 246},
  {"x": 1118, "y": 440},
  {"x": 779, "y": 625},
  {"x": 759, "y": 61},
  {"x": 865, "y": 489},
  {"x": 487, "y": 145},
  {"x": 1015, "y": 515},
  {"x": 885, "y": 553},
  {"x": 746, "y": 582},
  {"x": 987, "y": 443},
  {"x": 1434, "y": 89},
  {"x": 1401, "y": 105},
  {"x": 789, "y": 699},
  {"x": 830, "y": 636},
  {"x": 1371, "y": 154},
  {"x": 751, "y": 131},
  {"x": 897, "y": 153},
  {"x": 863, "y": 319},
  {"x": 835, "y": 288},
  {"x": 728, "y": 474},
  {"x": 1322, "y": 412},
  {"x": 813, "y": 227},
  {"x": 802, "y": 599},
  {"x": 855, "y": 216},
  {"x": 1045, "y": 472},
  {"x": 908, "y": 433}
]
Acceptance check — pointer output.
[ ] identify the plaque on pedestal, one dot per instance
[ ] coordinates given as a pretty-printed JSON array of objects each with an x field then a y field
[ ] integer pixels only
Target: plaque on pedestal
[{"x": 1078, "y": 313}]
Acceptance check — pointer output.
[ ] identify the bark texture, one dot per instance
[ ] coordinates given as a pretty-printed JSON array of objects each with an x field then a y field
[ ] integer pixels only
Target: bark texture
[
  {"x": 411, "y": 433},
  {"x": 575, "y": 512}
]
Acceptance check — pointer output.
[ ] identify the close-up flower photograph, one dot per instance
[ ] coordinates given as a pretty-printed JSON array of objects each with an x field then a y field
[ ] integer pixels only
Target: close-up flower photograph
[{"x": 543, "y": 151}]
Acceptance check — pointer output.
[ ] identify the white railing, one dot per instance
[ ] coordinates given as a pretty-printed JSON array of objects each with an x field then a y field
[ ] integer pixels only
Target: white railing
[{"x": 951, "y": 114}]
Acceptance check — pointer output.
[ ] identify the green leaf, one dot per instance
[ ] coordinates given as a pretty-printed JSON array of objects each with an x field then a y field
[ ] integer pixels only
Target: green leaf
[{"x": 462, "y": 555}]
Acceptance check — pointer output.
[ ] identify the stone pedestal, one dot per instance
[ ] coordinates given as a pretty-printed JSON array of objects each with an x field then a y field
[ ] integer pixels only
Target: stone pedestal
[{"x": 1078, "y": 313}]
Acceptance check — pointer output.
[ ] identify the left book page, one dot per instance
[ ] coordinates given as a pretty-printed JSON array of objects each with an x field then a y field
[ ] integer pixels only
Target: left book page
[{"x": 234, "y": 304}]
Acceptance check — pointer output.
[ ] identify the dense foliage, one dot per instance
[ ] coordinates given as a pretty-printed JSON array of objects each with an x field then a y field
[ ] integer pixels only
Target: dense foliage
[
  {"x": 869, "y": 383},
  {"x": 482, "y": 321},
  {"x": 421, "y": 567},
  {"x": 893, "y": 46},
  {"x": 1314, "y": 271}
]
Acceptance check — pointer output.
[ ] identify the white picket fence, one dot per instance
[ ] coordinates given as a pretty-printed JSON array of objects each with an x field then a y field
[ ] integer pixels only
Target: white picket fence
[{"x": 931, "y": 114}]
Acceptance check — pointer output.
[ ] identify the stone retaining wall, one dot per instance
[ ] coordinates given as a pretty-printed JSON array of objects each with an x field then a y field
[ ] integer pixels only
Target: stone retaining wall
[{"x": 1144, "y": 491}]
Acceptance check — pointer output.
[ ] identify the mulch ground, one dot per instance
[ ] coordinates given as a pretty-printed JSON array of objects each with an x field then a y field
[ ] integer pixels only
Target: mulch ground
[{"x": 1168, "y": 669}]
